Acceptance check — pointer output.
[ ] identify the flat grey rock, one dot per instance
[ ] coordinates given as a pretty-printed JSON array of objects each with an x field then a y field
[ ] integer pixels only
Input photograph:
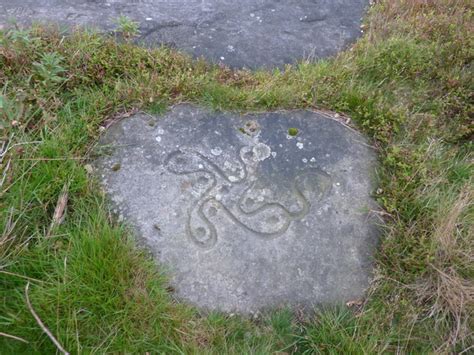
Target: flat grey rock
[
  {"x": 243, "y": 33},
  {"x": 243, "y": 215}
]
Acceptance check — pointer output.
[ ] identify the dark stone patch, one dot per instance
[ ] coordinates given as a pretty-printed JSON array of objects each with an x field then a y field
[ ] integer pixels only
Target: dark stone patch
[{"x": 244, "y": 33}]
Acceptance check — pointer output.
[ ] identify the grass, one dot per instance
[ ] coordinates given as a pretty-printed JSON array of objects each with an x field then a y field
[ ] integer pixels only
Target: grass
[{"x": 407, "y": 83}]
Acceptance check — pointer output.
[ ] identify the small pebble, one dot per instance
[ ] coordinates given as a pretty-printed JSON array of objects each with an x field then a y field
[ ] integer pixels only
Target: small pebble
[{"x": 89, "y": 168}]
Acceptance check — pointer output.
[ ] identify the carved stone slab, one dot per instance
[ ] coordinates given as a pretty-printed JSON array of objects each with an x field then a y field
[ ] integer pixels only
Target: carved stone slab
[
  {"x": 239, "y": 33},
  {"x": 246, "y": 212}
]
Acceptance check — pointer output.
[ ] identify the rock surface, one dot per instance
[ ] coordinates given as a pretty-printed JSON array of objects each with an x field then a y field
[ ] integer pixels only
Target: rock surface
[
  {"x": 247, "y": 212},
  {"x": 243, "y": 33}
]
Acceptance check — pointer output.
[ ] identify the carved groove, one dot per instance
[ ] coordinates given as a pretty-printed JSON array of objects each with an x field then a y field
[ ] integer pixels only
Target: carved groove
[{"x": 181, "y": 162}]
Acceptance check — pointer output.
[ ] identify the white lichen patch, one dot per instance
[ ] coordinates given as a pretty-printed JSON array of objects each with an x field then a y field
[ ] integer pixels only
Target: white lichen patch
[
  {"x": 300, "y": 145},
  {"x": 216, "y": 151},
  {"x": 261, "y": 152}
]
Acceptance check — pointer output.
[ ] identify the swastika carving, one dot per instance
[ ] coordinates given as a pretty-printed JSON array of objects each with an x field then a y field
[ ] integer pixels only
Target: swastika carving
[{"x": 263, "y": 217}]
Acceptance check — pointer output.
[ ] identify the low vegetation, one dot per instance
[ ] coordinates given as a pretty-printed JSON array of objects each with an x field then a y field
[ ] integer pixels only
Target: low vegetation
[{"x": 407, "y": 83}]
